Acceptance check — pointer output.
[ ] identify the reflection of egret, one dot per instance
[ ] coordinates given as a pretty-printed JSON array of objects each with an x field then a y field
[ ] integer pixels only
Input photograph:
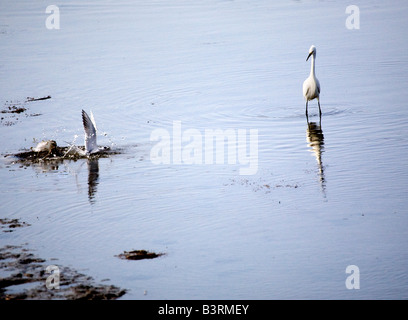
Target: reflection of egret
[
  {"x": 311, "y": 86},
  {"x": 93, "y": 177},
  {"x": 315, "y": 140}
]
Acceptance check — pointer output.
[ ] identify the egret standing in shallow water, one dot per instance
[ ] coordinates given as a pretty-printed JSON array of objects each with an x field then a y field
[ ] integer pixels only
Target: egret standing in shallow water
[{"x": 311, "y": 86}]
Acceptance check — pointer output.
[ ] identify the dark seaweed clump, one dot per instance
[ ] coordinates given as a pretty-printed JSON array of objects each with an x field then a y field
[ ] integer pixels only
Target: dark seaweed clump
[{"x": 139, "y": 255}]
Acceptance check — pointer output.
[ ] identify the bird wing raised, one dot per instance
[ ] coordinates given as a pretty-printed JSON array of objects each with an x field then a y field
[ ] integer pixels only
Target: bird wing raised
[
  {"x": 93, "y": 121},
  {"x": 90, "y": 133}
]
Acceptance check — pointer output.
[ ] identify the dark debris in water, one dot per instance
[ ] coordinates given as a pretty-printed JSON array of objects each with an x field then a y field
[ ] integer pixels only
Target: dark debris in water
[
  {"x": 23, "y": 268},
  {"x": 139, "y": 255},
  {"x": 29, "y": 99},
  {"x": 9, "y": 225},
  {"x": 59, "y": 154},
  {"x": 12, "y": 110},
  {"x": 35, "y": 156},
  {"x": 20, "y": 267},
  {"x": 261, "y": 184}
]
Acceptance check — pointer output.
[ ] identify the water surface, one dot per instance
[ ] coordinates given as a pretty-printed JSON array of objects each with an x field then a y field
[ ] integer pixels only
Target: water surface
[{"x": 327, "y": 194}]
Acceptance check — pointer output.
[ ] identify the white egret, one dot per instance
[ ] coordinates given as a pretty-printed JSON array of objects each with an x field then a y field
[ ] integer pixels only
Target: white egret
[{"x": 311, "y": 86}]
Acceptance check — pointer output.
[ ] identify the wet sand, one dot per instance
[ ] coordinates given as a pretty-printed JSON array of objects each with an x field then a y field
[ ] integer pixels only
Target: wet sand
[{"x": 27, "y": 275}]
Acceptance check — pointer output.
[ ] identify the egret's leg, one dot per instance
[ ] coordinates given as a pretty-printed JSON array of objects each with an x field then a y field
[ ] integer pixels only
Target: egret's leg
[
  {"x": 320, "y": 110},
  {"x": 320, "y": 121},
  {"x": 306, "y": 106}
]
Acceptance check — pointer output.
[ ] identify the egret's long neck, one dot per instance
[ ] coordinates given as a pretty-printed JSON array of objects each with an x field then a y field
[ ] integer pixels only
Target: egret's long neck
[{"x": 312, "y": 66}]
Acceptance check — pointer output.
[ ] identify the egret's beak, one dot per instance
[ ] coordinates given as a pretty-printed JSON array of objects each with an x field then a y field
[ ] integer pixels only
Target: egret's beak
[{"x": 309, "y": 55}]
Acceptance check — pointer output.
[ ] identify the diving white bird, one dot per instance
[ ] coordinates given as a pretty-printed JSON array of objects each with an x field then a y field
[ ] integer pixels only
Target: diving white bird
[
  {"x": 311, "y": 86},
  {"x": 90, "y": 133}
]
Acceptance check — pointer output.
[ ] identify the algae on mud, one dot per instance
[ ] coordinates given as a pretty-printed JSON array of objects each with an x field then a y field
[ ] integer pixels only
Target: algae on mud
[{"x": 24, "y": 277}]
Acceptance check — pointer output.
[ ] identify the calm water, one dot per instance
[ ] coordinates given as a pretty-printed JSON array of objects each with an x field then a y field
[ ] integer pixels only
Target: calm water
[{"x": 325, "y": 195}]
